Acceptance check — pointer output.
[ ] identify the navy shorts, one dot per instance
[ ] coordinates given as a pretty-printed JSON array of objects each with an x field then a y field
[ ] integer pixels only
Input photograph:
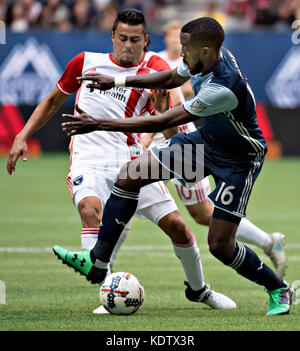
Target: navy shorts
[{"x": 234, "y": 176}]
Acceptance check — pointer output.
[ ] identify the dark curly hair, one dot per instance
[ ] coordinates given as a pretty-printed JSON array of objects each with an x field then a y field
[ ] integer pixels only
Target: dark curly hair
[{"x": 207, "y": 31}]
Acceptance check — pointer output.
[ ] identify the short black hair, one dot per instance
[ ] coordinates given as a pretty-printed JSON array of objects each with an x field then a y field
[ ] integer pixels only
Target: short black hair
[
  {"x": 133, "y": 17},
  {"x": 206, "y": 30}
]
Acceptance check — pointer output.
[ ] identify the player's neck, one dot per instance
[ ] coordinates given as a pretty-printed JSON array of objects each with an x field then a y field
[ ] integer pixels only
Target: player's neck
[{"x": 212, "y": 65}]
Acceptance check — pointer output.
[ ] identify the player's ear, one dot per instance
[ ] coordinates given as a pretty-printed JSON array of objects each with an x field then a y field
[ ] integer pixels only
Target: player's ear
[{"x": 206, "y": 50}]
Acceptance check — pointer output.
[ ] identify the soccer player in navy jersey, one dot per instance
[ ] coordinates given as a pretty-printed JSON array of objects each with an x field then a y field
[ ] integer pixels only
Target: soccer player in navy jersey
[{"x": 234, "y": 151}]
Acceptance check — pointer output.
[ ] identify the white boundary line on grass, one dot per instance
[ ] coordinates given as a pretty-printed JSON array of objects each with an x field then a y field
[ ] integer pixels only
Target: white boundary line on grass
[
  {"x": 280, "y": 217},
  {"x": 149, "y": 250}
]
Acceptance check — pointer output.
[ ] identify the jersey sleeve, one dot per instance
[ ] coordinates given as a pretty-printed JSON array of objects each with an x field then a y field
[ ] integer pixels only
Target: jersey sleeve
[
  {"x": 182, "y": 70},
  {"x": 211, "y": 99},
  {"x": 68, "y": 83}
]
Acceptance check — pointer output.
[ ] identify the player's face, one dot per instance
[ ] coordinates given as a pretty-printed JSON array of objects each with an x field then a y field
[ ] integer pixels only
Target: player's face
[
  {"x": 128, "y": 44},
  {"x": 191, "y": 54}
]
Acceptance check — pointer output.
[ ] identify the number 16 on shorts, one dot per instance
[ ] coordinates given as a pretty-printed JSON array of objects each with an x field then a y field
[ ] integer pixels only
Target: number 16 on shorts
[
  {"x": 225, "y": 194},
  {"x": 226, "y": 197}
]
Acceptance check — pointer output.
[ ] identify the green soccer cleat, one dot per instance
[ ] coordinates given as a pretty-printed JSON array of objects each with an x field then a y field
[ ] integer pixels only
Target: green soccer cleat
[
  {"x": 280, "y": 300},
  {"x": 82, "y": 263}
]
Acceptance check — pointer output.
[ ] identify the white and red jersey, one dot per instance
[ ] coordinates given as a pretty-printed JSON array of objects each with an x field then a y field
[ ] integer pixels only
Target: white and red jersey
[
  {"x": 186, "y": 128},
  {"x": 116, "y": 103}
]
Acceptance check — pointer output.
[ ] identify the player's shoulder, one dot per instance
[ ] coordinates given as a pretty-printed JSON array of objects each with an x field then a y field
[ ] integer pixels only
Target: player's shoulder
[
  {"x": 86, "y": 56},
  {"x": 227, "y": 72},
  {"x": 155, "y": 62},
  {"x": 96, "y": 56}
]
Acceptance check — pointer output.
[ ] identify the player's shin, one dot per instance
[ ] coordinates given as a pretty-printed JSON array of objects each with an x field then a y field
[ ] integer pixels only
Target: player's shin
[
  {"x": 189, "y": 256},
  {"x": 118, "y": 210},
  {"x": 250, "y": 266}
]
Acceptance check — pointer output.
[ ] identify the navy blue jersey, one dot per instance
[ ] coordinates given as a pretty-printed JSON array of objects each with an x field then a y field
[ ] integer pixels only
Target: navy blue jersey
[{"x": 225, "y": 101}]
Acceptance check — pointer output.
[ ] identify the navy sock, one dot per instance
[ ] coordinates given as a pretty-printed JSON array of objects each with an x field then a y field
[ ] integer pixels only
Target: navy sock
[
  {"x": 119, "y": 209},
  {"x": 249, "y": 265}
]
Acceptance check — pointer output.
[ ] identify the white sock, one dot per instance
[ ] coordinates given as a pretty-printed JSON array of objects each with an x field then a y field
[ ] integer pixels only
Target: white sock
[
  {"x": 89, "y": 236},
  {"x": 251, "y": 234},
  {"x": 189, "y": 256}
]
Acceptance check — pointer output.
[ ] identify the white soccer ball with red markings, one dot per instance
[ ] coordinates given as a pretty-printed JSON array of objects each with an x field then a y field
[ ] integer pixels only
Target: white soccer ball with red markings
[{"x": 122, "y": 293}]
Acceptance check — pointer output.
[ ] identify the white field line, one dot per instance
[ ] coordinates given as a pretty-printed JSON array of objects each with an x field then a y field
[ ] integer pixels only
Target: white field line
[
  {"x": 148, "y": 250},
  {"x": 280, "y": 217}
]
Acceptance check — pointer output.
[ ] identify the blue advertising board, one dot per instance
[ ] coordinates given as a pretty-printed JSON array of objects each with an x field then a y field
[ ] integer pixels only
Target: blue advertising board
[{"x": 32, "y": 62}]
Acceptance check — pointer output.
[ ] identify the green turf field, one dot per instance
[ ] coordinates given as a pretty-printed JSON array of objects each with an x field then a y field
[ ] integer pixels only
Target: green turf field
[{"x": 42, "y": 294}]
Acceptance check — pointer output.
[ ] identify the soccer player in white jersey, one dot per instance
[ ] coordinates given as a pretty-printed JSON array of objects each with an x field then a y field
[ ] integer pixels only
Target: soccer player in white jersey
[
  {"x": 97, "y": 157},
  {"x": 195, "y": 199}
]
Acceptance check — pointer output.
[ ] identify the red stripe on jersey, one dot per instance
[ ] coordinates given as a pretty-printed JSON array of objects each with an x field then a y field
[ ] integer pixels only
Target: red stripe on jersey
[
  {"x": 132, "y": 103},
  {"x": 68, "y": 83}
]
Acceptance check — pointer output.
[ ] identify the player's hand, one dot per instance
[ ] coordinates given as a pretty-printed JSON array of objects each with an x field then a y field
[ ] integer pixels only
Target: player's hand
[
  {"x": 160, "y": 99},
  {"x": 19, "y": 148},
  {"x": 81, "y": 124},
  {"x": 99, "y": 81}
]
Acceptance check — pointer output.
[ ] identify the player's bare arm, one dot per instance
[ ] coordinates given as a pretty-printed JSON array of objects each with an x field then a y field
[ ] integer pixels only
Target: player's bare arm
[
  {"x": 159, "y": 80},
  {"x": 84, "y": 123},
  {"x": 41, "y": 115}
]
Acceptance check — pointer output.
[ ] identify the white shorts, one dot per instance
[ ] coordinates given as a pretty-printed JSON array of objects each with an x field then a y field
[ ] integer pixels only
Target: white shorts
[
  {"x": 196, "y": 194},
  {"x": 155, "y": 201}
]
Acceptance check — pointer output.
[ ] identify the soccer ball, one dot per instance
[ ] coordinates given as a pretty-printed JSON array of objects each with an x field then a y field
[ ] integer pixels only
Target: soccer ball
[{"x": 122, "y": 293}]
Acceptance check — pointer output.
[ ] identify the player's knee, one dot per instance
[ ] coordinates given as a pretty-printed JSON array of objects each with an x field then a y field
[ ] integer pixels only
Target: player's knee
[
  {"x": 202, "y": 218},
  {"x": 202, "y": 212},
  {"x": 221, "y": 249},
  {"x": 174, "y": 226},
  {"x": 128, "y": 177}
]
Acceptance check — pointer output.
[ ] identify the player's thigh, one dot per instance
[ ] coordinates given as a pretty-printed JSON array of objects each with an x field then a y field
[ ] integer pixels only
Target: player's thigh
[
  {"x": 201, "y": 212},
  {"x": 139, "y": 172},
  {"x": 233, "y": 188},
  {"x": 155, "y": 202},
  {"x": 90, "y": 190},
  {"x": 182, "y": 157}
]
